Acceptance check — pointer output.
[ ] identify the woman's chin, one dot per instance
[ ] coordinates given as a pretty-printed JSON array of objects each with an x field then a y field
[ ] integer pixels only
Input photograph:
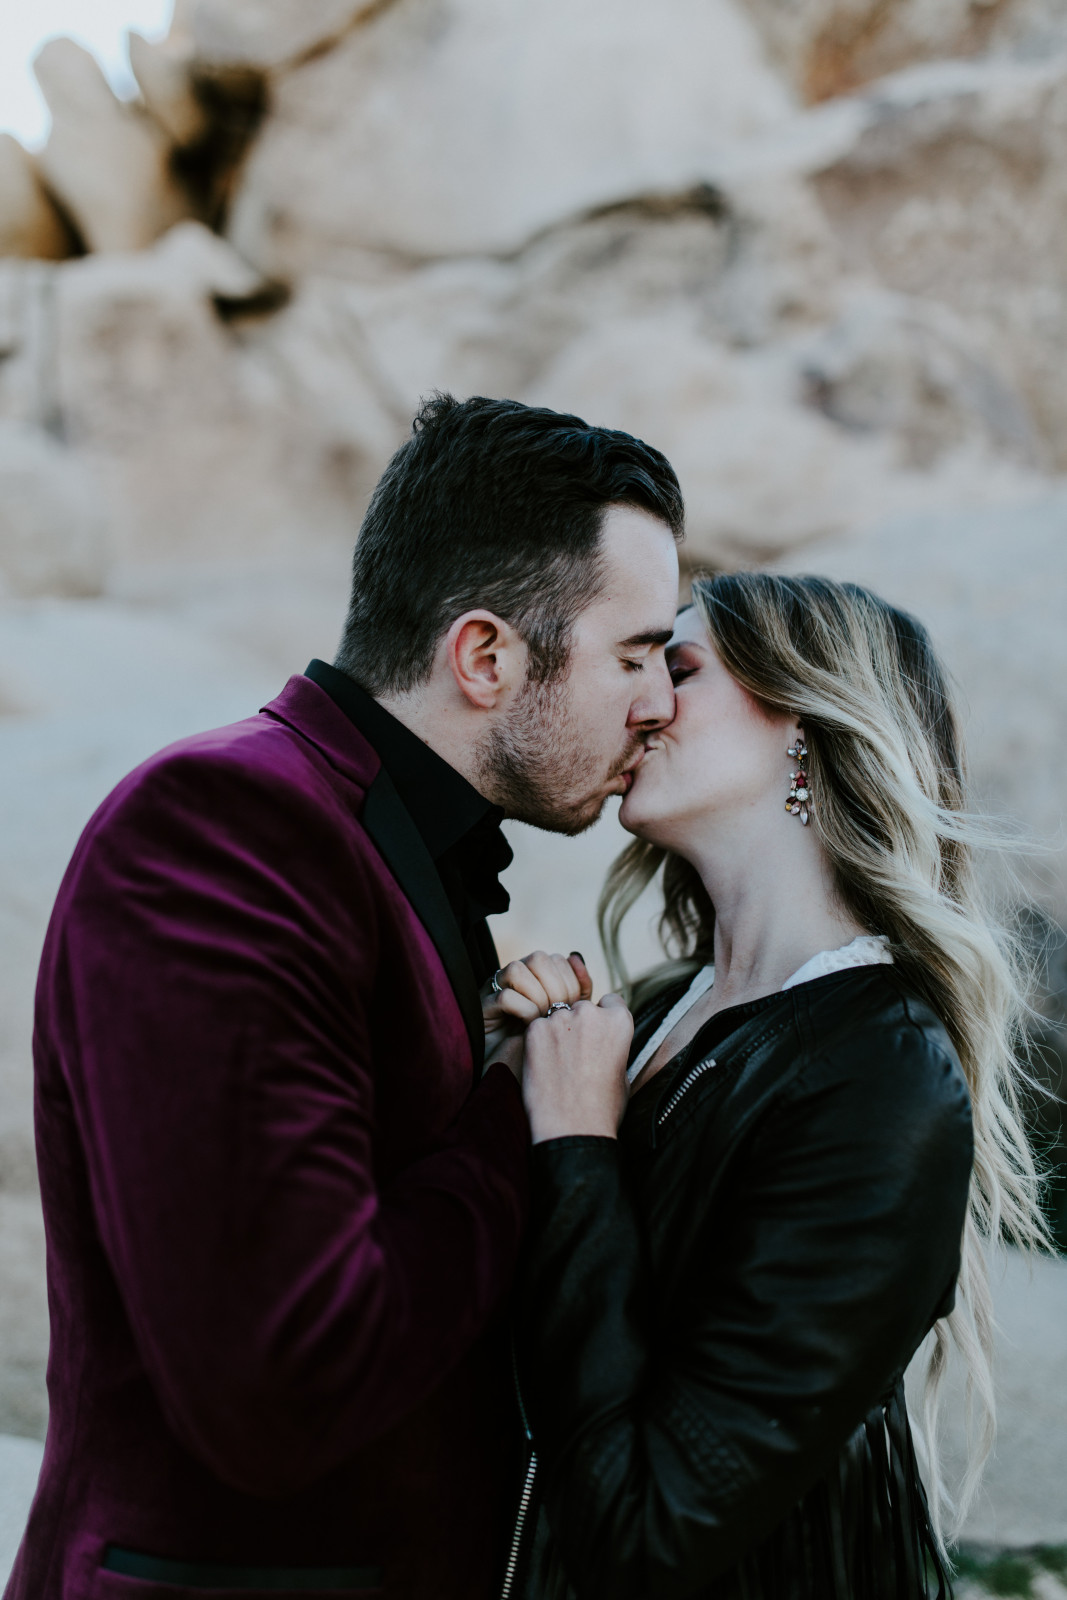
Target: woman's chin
[
  {"x": 625, "y": 811},
  {"x": 631, "y": 813},
  {"x": 648, "y": 815}
]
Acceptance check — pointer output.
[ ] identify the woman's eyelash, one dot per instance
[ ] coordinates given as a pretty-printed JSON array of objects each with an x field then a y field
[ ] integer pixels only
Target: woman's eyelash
[{"x": 680, "y": 673}]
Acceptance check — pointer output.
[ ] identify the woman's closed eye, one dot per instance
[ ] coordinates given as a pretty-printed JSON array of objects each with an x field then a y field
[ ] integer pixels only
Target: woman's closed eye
[{"x": 684, "y": 659}]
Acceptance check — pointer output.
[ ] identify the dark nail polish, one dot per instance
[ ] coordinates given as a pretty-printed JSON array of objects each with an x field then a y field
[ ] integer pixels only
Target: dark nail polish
[{"x": 581, "y": 958}]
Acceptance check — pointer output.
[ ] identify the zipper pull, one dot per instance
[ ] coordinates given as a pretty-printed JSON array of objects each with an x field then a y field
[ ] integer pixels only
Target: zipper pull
[{"x": 687, "y": 1082}]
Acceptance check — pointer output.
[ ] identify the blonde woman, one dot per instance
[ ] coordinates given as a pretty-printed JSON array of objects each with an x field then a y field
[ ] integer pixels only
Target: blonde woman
[{"x": 735, "y": 1254}]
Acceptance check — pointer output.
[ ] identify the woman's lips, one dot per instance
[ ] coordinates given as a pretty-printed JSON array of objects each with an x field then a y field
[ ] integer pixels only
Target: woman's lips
[{"x": 630, "y": 775}]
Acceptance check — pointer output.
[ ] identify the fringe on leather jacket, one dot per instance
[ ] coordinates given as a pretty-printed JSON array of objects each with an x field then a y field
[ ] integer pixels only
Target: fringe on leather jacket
[{"x": 717, "y": 1309}]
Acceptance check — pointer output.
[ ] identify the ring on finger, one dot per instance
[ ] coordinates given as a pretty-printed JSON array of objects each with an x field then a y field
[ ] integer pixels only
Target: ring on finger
[
  {"x": 557, "y": 1005},
  {"x": 497, "y": 986}
]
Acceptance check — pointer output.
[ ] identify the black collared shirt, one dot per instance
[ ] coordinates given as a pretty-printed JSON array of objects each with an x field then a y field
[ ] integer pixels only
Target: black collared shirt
[{"x": 459, "y": 827}]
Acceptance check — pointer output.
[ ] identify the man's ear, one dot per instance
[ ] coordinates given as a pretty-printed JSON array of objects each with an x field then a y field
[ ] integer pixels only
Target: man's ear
[{"x": 487, "y": 658}]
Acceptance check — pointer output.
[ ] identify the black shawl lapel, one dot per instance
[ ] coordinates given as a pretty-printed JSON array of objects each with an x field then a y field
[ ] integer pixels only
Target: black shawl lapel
[{"x": 389, "y": 824}]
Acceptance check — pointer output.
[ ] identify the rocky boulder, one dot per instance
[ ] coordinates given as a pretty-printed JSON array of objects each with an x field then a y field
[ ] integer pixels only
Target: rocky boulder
[
  {"x": 53, "y": 523},
  {"x": 901, "y": 366},
  {"x": 30, "y": 225},
  {"x": 952, "y": 188},
  {"x": 164, "y": 73},
  {"x": 831, "y": 47},
  {"x": 720, "y": 330},
  {"x": 108, "y": 163},
  {"x": 266, "y": 34},
  {"x": 446, "y": 127},
  {"x": 226, "y": 423}
]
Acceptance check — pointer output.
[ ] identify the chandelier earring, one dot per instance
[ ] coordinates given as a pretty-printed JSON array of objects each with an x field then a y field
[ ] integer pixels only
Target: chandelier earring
[{"x": 798, "y": 801}]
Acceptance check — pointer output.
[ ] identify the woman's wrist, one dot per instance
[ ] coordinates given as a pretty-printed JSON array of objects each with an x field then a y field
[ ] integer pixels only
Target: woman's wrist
[{"x": 548, "y": 1125}]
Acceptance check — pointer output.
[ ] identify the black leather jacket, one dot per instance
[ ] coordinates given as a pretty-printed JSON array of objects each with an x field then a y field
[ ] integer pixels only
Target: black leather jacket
[{"x": 717, "y": 1309}]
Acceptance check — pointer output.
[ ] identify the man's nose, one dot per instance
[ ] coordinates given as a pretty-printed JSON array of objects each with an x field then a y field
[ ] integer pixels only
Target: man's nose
[{"x": 653, "y": 707}]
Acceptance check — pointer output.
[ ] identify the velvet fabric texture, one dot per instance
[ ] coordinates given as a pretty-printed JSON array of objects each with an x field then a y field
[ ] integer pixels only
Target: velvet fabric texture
[{"x": 282, "y": 1207}]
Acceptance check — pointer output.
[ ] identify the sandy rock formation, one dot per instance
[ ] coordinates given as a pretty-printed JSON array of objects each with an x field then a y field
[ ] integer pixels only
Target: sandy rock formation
[
  {"x": 265, "y": 34},
  {"x": 721, "y": 332},
  {"x": 443, "y": 127},
  {"x": 830, "y": 47},
  {"x": 142, "y": 352},
  {"x": 107, "y": 163},
  {"x": 426, "y": 240},
  {"x": 30, "y": 225},
  {"x": 220, "y": 427},
  {"x": 722, "y": 416},
  {"x": 899, "y": 365},
  {"x": 665, "y": 318},
  {"x": 28, "y": 344},
  {"x": 163, "y": 70},
  {"x": 954, "y": 189},
  {"x": 53, "y": 525}
]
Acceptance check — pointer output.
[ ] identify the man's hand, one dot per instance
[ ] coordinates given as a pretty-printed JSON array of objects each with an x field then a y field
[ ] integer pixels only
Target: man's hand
[
  {"x": 526, "y": 990},
  {"x": 574, "y": 1076}
]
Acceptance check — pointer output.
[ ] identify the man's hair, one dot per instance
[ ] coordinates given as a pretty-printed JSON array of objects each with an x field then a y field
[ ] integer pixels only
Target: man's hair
[{"x": 496, "y": 505}]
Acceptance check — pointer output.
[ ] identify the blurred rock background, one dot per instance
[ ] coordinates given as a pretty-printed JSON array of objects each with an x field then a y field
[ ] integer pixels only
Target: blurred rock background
[{"x": 816, "y": 251}]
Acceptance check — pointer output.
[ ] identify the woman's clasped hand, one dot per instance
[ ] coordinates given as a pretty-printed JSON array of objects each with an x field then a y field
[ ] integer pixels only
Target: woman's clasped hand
[{"x": 569, "y": 1054}]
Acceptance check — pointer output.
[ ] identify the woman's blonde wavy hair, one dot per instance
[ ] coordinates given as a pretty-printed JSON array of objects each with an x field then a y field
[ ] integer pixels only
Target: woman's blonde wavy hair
[{"x": 888, "y": 783}]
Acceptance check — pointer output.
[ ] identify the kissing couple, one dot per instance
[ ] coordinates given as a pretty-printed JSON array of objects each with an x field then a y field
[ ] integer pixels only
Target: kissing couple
[{"x": 379, "y": 1268}]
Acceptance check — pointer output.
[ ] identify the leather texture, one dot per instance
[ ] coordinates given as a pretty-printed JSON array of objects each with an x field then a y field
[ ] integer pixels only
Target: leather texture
[{"x": 717, "y": 1309}]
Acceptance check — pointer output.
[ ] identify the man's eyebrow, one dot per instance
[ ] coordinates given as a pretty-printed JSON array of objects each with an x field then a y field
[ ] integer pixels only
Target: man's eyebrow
[{"x": 654, "y": 636}]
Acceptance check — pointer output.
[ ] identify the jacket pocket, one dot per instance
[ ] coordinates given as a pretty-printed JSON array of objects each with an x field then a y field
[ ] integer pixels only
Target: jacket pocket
[{"x": 133, "y": 1575}]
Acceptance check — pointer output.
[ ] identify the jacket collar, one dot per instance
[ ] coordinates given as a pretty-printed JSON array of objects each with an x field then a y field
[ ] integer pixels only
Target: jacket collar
[
  {"x": 310, "y": 712},
  {"x": 442, "y": 804},
  {"x": 399, "y": 842}
]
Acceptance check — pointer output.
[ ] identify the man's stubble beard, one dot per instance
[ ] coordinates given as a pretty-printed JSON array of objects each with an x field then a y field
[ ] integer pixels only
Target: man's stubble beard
[{"x": 536, "y": 765}]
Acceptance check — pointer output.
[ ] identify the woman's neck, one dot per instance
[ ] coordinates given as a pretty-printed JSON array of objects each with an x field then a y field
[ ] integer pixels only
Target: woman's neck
[{"x": 775, "y": 906}]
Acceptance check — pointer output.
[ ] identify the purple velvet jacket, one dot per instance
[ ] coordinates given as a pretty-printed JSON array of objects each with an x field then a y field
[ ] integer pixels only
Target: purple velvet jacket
[{"x": 282, "y": 1209}]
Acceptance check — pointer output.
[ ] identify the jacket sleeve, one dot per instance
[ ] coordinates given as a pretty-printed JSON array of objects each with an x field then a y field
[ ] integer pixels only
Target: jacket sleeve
[
  {"x": 668, "y": 1449},
  {"x": 211, "y": 984}
]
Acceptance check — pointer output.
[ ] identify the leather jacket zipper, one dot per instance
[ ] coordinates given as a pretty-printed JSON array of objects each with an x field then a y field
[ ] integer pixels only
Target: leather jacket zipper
[
  {"x": 527, "y": 1491},
  {"x": 531, "y": 1469},
  {"x": 690, "y": 1078},
  {"x": 520, "y": 1519}
]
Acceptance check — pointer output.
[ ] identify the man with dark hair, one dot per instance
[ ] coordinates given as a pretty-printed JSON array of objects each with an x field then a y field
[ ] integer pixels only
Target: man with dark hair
[
  {"x": 283, "y": 1200},
  {"x": 500, "y": 508}
]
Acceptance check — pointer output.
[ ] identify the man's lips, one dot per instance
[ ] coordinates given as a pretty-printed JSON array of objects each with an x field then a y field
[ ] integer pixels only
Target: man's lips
[{"x": 628, "y": 773}]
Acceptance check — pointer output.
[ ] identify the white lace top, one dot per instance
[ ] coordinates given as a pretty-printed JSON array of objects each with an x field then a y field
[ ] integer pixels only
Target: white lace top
[{"x": 867, "y": 950}]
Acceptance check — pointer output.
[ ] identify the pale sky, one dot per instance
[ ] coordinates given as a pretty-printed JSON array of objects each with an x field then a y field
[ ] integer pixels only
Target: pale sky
[{"x": 100, "y": 25}]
